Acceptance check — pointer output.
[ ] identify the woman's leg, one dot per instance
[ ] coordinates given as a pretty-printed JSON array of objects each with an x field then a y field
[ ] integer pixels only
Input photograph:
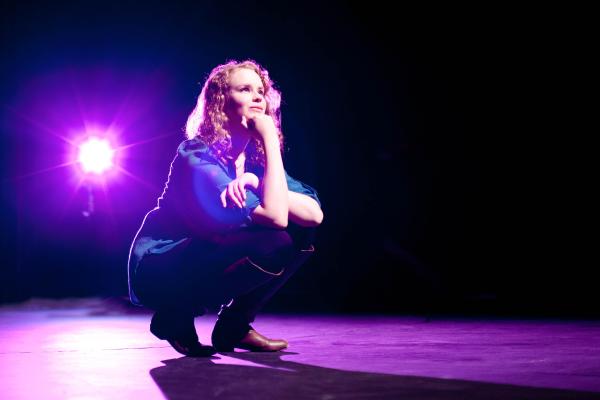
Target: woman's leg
[
  {"x": 178, "y": 283},
  {"x": 235, "y": 318},
  {"x": 161, "y": 284},
  {"x": 247, "y": 259},
  {"x": 249, "y": 304}
]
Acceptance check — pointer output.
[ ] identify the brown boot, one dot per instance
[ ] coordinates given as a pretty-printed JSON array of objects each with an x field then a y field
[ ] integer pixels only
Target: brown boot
[
  {"x": 242, "y": 276},
  {"x": 254, "y": 341}
]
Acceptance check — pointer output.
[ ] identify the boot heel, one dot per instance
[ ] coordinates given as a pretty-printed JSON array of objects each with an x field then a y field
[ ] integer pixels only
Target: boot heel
[{"x": 157, "y": 329}]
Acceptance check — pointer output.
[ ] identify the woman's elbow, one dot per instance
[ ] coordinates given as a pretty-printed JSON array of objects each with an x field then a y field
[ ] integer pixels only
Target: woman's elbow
[
  {"x": 315, "y": 221},
  {"x": 261, "y": 216},
  {"x": 280, "y": 223},
  {"x": 318, "y": 218}
]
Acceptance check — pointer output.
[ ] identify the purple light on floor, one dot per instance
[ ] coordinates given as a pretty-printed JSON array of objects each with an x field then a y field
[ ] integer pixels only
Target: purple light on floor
[{"x": 96, "y": 155}]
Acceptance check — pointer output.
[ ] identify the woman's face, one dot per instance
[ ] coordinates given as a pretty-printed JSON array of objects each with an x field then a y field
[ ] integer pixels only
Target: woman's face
[{"x": 246, "y": 95}]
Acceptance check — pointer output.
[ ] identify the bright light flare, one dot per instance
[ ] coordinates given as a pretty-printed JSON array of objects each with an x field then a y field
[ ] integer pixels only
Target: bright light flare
[{"x": 96, "y": 155}]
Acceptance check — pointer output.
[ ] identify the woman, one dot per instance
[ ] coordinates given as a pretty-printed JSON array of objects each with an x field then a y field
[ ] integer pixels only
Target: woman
[{"x": 231, "y": 226}]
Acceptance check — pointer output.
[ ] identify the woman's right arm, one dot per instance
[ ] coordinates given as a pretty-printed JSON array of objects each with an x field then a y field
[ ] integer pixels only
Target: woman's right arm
[{"x": 273, "y": 211}]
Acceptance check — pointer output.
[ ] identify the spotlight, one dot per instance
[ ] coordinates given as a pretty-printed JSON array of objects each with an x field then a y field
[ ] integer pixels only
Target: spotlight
[{"x": 96, "y": 155}]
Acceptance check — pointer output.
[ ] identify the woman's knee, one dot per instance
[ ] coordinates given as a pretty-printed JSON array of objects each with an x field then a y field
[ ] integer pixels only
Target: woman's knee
[
  {"x": 274, "y": 248},
  {"x": 302, "y": 237}
]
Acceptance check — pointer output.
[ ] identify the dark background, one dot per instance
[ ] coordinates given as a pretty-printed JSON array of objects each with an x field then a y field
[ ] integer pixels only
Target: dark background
[{"x": 441, "y": 142}]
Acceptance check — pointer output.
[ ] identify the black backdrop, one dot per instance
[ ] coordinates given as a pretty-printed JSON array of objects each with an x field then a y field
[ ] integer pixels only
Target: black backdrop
[{"x": 426, "y": 131}]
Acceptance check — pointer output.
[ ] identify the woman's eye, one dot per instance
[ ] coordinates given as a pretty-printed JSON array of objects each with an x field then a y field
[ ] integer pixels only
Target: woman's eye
[{"x": 247, "y": 89}]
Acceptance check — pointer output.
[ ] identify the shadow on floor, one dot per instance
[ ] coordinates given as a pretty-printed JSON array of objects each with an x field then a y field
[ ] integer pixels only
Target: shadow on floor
[{"x": 267, "y": 376}]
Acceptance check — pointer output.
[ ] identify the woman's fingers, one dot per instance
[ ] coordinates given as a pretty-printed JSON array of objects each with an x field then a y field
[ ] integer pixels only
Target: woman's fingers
[
  {"x": 224, "y": 198},
  {"x": 236, "y": 192},
  {"x": 231, "y": 191},
  {"x": 242, "y": 184},
  {"x": 241, "y": 192}
]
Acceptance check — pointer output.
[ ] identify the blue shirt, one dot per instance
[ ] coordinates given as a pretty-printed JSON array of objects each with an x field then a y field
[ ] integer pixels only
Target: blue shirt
[{"x": 190, "y": 205}]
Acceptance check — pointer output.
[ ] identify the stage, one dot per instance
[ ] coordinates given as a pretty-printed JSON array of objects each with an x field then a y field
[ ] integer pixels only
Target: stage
[{"x": 102, "y": 349}]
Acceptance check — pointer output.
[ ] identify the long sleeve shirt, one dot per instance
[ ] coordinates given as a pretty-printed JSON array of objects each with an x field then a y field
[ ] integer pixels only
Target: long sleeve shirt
[{"x": 190, "y": 205}]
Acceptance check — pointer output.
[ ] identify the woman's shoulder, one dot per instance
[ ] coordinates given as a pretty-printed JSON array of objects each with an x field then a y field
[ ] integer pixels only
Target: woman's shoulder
[
  {"x": 191, "y": 146},
  {"x": 194, "y": 151}
]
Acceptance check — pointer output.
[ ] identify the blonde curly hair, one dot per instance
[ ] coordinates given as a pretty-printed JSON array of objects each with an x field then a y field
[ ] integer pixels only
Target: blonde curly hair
[{"x": 208, "y": 119}]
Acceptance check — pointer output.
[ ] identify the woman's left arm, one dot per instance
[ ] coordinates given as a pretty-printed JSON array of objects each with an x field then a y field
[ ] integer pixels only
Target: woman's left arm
[
  {"x": 304, "y": 206},
  {"x": 304, "y": 210}
]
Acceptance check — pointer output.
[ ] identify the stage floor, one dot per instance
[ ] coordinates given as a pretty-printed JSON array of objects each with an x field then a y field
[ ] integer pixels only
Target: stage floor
[{"x": 102, "y": 349}]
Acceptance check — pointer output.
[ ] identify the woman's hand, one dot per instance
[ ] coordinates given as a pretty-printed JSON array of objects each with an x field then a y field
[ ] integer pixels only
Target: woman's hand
[
  {"x": 260, "y": 126},
  {"x": 236, "y": 190}
]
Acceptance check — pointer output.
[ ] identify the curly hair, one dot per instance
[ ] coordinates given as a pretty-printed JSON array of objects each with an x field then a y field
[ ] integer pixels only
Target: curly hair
[{"x": 208, "y": 120}]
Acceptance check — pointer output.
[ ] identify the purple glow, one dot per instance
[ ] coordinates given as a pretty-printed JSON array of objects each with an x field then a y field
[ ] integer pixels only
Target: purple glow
[
  {"x": 56, "y": 349},
  {"x": 50, "y": 119},
  {"x": 96, "y": 155}
]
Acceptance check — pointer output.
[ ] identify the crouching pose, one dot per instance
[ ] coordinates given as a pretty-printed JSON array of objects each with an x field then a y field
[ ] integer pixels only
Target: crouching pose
[{"x": 231, "y": 225}]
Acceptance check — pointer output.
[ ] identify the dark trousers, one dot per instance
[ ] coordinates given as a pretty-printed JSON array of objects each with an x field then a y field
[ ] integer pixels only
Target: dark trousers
[{"x": 179, "y": 284}]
